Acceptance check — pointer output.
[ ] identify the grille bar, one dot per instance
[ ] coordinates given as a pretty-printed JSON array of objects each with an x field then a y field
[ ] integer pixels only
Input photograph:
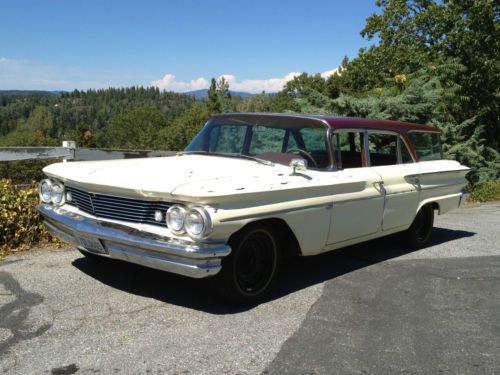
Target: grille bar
[{"x": 117, "y": 208}]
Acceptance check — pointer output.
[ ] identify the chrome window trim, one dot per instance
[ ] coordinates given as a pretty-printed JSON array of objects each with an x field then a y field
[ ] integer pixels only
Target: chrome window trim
[{"x": 408, "y": 149}]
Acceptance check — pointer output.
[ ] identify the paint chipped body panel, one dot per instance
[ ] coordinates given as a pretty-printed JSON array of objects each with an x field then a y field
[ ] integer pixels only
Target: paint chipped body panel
[{"x": 329, "y": 205}]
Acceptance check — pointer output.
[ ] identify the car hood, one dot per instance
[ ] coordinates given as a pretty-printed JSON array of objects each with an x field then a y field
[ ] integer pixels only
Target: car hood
[{"x": 179, "y": 176}]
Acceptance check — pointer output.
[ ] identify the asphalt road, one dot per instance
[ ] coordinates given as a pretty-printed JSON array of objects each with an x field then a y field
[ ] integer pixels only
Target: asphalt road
[{"x": 370, "y": 308}]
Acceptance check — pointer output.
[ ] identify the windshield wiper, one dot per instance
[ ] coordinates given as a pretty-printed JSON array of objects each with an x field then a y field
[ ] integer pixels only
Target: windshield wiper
[
  {"x": 200, "y": 152},
  {"x": 262, "y": 161}
]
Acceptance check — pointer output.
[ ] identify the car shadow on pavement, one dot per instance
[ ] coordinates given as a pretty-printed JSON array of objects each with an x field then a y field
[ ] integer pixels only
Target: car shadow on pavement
[
  {"x": 299, "y": 273},
  {"x": 296, "y": 273}
]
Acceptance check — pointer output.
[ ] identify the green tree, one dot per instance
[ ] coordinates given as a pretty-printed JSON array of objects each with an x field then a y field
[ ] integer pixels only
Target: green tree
[
  {"x": 224, "y": 96},
  {"x": 137, "y": 129},
  {"x": 213, "y": 103},
  {"x": 37, "y": 130},
  {"x": 185, "y": 127},
  {"x": 415, "y": 34}
]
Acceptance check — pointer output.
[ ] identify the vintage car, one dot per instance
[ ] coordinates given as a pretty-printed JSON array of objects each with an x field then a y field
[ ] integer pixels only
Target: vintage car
[{"x": 251, "y": 189}]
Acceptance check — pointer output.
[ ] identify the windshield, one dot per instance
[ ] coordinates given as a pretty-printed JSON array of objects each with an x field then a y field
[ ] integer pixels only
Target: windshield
[{"x": 278, "y": 141}]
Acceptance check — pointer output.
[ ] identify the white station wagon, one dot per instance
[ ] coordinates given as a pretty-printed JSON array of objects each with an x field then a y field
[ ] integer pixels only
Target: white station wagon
[{"x": 251, "y": 189}]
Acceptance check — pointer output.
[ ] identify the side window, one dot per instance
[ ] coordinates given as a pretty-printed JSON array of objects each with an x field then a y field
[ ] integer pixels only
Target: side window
[
  {"x": 347, "y": 148},
  {"x": 383, "y": 149},
  {"x": 427, "y": 145}
]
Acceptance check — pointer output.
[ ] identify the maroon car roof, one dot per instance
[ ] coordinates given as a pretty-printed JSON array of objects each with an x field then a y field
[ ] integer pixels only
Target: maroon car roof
[{"x": 339, "y": 122}]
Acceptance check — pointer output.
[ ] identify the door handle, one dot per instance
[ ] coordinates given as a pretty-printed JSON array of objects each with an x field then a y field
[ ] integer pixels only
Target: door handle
[
  {"x": 414, "y": 179},
  {"x": 379, "y": 185}
]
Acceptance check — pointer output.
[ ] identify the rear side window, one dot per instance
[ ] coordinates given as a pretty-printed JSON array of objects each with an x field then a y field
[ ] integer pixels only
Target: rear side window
[
  {"x": 347, "y": 147},
  {"x": 383, "y": 149},
  {"x": 427, "y": 145}
]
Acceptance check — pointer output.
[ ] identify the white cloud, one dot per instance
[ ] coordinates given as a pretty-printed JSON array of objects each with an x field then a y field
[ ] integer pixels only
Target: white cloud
[
  {"x": 258, "y": 85},
  {"x": 329, "y": 73},
  {"x": 170, "y": 83}
]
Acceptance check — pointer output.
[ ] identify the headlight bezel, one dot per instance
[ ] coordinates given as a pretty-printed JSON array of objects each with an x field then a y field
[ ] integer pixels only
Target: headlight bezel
[
  {"x": 185, "y": 211},
  {"x": 62, "y": 192},
  {"x": 48, "y": 182},
  {"x": 206, "y": 221},
  {"x": 170, "y": 211},
  {"x": 53, "y": 187}
]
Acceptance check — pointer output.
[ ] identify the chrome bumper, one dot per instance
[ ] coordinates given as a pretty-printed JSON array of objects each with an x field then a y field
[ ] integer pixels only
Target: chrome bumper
[
  {"x": 464, "y": 196},
  {"x": 195, "y": 260}
]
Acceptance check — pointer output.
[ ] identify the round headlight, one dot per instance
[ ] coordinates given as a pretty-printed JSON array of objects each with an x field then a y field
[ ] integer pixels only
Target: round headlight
[
  {"x": 198, "y": 222},
  {"x": 57, "y": 196},
  {"x": 45, "y": 190},
  {"x": 175, "y": 218}
]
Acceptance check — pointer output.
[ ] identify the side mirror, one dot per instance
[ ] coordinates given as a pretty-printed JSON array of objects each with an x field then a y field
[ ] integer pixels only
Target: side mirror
[{"x": 298, "y": 165}]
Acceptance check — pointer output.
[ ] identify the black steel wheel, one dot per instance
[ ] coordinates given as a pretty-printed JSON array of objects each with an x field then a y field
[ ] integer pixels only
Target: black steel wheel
[
  {"x": 249, "y": 271},
  {"x": 421, "y": 229}
]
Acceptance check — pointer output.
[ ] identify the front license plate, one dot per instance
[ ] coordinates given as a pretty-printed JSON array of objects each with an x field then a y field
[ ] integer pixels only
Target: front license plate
[{"x": 92, "y": 244}]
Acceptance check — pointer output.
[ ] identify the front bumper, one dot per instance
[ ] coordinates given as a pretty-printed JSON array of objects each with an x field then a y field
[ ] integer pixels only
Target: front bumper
[{"x": 118, "y": 241}]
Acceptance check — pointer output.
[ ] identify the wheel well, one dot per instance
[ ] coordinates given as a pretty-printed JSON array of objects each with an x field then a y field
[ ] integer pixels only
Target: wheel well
[
  {"x": 434, "y": 205},
  {"x": 289, "y": 246}
]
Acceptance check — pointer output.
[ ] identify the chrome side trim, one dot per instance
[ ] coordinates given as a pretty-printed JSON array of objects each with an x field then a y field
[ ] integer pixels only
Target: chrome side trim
[
  {"x": 277, "y": 212},
  {"x": 381, "y": 196},
  {"x": 438, "y": 172},
  {"x": 195, "y": 260}
]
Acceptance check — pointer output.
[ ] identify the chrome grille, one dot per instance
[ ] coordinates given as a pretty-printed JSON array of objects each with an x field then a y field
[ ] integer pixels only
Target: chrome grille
[{"x": 117, "y": 208}]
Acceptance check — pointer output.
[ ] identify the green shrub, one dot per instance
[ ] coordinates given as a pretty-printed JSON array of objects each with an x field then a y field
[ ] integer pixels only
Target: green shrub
[
  {"x": 20, "y": 224},
  {"x": 487, "y": 191}
]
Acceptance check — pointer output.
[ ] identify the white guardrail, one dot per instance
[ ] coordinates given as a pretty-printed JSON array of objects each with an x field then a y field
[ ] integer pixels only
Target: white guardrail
[{"x": 69, "y": 151}]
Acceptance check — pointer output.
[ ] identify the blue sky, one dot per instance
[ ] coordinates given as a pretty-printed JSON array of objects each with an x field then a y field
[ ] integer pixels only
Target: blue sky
[{"x": 176, "y": 45}]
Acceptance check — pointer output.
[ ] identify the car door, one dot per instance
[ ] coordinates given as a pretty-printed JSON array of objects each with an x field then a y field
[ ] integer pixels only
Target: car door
[
  {"x": 390, "y": 159},
  {"x": 358, "y": 201}
]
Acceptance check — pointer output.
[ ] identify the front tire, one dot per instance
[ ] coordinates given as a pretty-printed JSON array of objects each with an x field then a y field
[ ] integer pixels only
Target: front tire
[
  {"x": 248, "y": 273},
  {"x": 417, "y": 236}
]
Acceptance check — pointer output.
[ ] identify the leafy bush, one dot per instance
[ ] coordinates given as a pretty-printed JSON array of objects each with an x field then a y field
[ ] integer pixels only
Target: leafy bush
[
  {"x": 487, "y": 191},
  {"x": 20, "y": 224}
]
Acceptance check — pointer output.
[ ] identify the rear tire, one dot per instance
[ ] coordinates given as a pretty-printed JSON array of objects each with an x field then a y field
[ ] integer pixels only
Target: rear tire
[
  {"x": 417, "y": 236},
  {"x": 248, "y": 273}
]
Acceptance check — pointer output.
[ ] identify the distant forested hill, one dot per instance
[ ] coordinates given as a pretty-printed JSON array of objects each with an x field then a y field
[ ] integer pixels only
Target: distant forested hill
[
  {"x": 203, "y": 94},
  {"x": 28, "y": 93},
  {"x": 46, "y": 118}
]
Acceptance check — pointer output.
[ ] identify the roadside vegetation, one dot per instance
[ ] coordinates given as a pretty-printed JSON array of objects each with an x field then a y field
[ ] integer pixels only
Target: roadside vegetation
[
  {"x": 485, "y": 192},
  {"x": 433, "y": 62},
  {"x": 20, "y": 225}
]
